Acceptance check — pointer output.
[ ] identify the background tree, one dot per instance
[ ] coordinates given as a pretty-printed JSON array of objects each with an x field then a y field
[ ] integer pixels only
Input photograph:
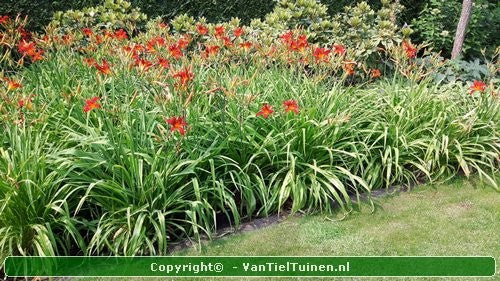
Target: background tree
[{"x": 461, "y": 28}]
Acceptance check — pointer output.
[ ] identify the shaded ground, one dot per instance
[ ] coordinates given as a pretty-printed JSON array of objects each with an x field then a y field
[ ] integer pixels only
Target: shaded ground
[{"x": 459, "y": 218}]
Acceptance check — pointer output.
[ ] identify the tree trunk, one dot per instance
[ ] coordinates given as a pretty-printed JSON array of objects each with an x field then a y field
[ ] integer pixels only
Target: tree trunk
[{"x": 461, "y": 28}]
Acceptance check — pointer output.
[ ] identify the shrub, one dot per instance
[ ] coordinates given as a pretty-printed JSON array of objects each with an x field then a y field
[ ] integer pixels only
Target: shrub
[
  {"x": 437, "y": 24},
  {"x": 112, "y": 14}
]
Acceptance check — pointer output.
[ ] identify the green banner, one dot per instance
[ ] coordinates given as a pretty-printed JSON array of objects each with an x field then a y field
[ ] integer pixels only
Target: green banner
[{"x": 248, "y": 266}]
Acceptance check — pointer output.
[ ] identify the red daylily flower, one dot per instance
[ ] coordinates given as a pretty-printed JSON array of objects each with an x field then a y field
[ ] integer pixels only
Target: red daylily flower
[
  {"x": 477, "y": 85},
  {"x": 211, "y": 50},
  {"x": 91, "y": 104},
  {"x": 411, "y": 52},
  {"x": 184, "y": 76},
  {"x": 238, "y": 31},
  {"x": 87, "y": 31},
  {"x": 4, "y": 19},
  {"x": 321, "y": 54},
  {"x": 120, "y": 34},
  {"x": 339, "y": 49},
  {"x": 227, "y": 41},
  {"x": 287, "y": 37},
  {"x": 201, "y": 29},
  {"x": 12, "y": 84},
  {"x": 183, "y": 42},
  {"x": 26, "y": 48},
  {"x": 175, "y": 51},
  {"x": 265, "y": 111},
  {"x": 375, "y": 73},
  {"x": 163, "y": 62},
  {"x": 104, "y": 68},
  {"x": 162, "y": 25},
  {"x": 177, "y": 124},
  {"x": 219, "y": 31},
  {"x": 246, "y": 45},
  {"x": 291, "y": 106}
]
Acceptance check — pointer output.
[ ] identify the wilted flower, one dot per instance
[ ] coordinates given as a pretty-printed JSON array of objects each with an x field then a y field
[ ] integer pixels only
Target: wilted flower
[
  {"x": 375, "y": 73},
  {"x": 91, "y": 104},
  {"x": 349, "y": 67},
  {"x": 177, "y": 124},
  {"x": 291, "y": 106},
  {"x": 265, "y": 111}
]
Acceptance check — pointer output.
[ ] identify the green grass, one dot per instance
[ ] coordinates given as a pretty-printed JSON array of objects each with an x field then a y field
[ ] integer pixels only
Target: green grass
[{"x": 459, "y": 218}]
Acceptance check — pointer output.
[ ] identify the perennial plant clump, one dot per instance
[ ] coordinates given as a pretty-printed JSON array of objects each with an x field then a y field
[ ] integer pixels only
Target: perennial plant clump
[{"x": 120, "y": 143}]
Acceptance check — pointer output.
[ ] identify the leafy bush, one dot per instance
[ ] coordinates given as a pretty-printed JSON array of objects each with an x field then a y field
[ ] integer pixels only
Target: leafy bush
[
  {"x": 437, "y": 24},
  {"x": 112, "y": 14}
]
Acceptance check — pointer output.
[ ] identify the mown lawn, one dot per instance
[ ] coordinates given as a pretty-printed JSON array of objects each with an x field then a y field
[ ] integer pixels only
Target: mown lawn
[{"x": 458, "y": 218}]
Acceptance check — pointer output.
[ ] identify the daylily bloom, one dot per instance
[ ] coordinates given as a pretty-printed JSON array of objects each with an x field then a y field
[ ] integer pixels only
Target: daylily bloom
[
  {"x": 291, "y": 106},
  {"x": 219, "y": 31},
  {"x": 91, "y": 104},
  {"x": 265, "y": 111},
  {"x": 375, "y": 73},
  {"x": 184, "y": 76},
  {"x": 211, "y": 50},
  {"x": 163, "y": 62},
  {"x": 287, "y": 37},
  {"x": 238, "y": 31},
  {"x": 177, "y": 124},
  {"x": 246, "y": 45},
  {"x": 12, "y": 84},
  {"x": 201, "y": 29},
  {"x": 349, "y": 67},
  {"x": 321, "y": 54},
  {"x": 339, "y": 49},
  {"x": 26, "y": 48},
  {"x": 411, "y": 51},
  {"x": 227, "y": 41},
  {"x": 4, "y": 19},
  {"x": 104, "y": 68},
  {"x": 89, "y": 61},
  {"x": 183, "y": 42},
  {"x": 162, "y": 25},
  {"x": 143, "y": 63},
  {"x": 120, "y": 34},
  {"x": 175, "y": 51},
  {"x": 477, "y": 85},
  {"x": 87, "y": 31}
]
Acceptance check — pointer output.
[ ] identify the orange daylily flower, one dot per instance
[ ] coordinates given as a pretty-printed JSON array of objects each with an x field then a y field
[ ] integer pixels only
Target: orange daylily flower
[
  {"x": 291, "y": 106},
  {"x": 177, "y": 124},
  {"x": 477, "y": 85},
  {"x": 104, "y": 68},
  {"x": 238, "y": 31},
  {"x": 321, "y": 54},
  {"x": 91, "y": 104},
  {"x": 375, "y": 73},
  {"x": 265, "y": 111}
]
